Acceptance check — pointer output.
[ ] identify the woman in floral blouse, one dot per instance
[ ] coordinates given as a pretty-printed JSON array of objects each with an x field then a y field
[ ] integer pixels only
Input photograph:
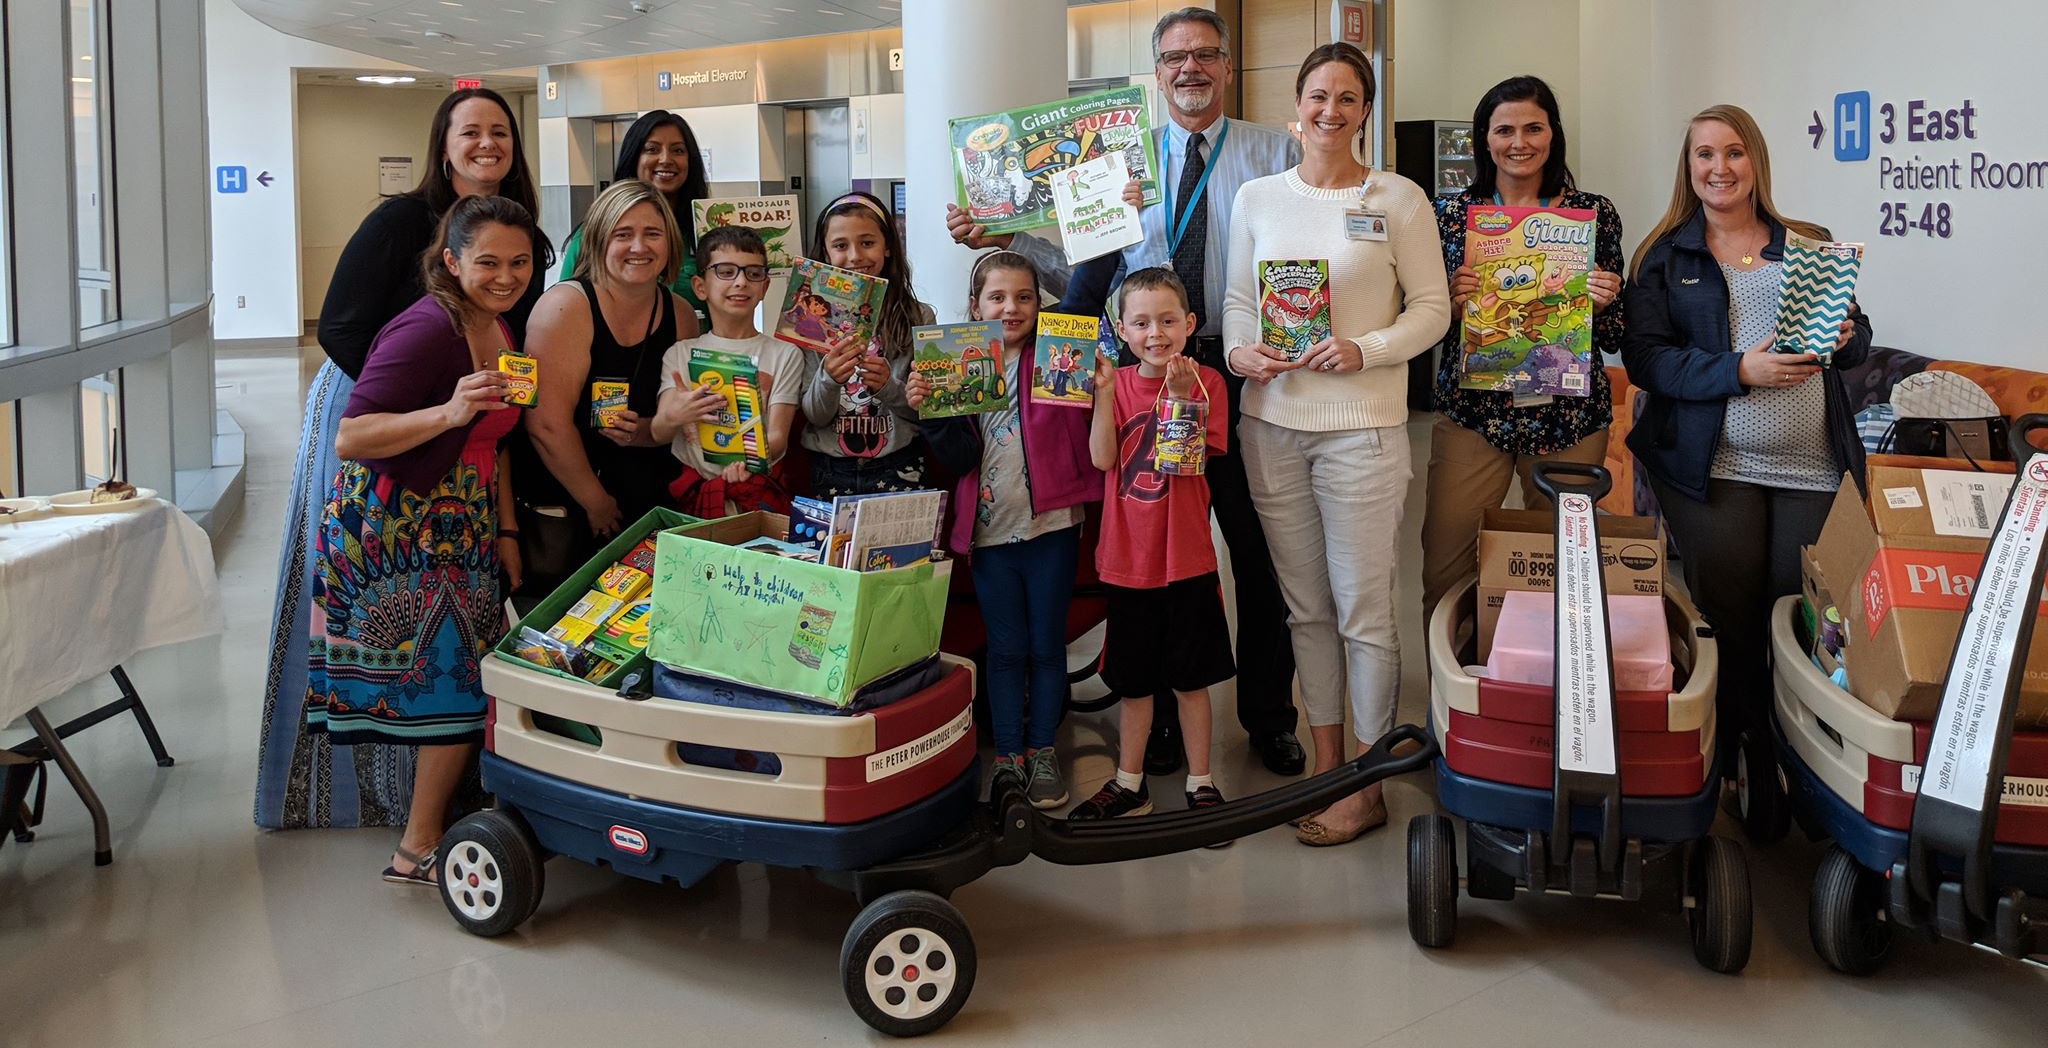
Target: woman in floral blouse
[{"x": 1482, "y": 440}]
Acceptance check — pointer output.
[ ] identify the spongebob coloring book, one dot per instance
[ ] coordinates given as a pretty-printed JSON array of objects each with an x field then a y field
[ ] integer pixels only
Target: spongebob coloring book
[{"x": 1529, "y": 330}]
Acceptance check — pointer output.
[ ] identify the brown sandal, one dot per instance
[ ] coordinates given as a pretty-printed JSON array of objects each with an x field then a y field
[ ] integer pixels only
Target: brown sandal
[{"x": 422, "y": 871}]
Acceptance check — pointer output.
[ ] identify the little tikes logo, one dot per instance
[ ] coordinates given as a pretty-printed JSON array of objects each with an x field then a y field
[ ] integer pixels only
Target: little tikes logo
[
  {"x": 1492, "y": 222},
  {"x": 628, "y": 840}
]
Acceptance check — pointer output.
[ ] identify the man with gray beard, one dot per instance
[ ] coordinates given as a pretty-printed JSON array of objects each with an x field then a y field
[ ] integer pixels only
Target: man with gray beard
[{"x": 1206, "y": 157}]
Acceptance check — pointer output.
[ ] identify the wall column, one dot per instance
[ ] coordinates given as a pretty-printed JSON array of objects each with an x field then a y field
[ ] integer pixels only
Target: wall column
[{"x": 959, "y": 60}]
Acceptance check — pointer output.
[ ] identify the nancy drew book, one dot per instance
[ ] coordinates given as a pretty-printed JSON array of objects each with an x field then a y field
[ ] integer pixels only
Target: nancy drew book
[
  {"x": 1063, "y": 368},
  {"x": 739, "y": 433},
  {"x": 964, "y": 364},
  {"x": 1529, "y": 330},
  {"x": 1294, "y": 304},
  {"x": 825, "y": 306}
]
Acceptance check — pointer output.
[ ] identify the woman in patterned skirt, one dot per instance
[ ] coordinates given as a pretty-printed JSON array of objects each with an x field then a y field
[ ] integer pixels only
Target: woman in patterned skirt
[
  {"x": 405, "y": 604},
  {"x": 473, "y": 149}
]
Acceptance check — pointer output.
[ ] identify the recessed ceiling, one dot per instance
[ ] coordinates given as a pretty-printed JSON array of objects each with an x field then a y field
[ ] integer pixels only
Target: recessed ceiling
[
  {"x": 490, "y": 35},
  {"x": 506, "y": 81},
  {"x": 465, "y": 36}
]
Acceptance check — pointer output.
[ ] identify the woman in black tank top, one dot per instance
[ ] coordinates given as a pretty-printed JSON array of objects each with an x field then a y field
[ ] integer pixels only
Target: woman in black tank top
[{"x": 609, "y": 323}]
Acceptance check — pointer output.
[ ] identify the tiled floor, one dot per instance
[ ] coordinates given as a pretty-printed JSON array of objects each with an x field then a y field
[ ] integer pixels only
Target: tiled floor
[{"x": 206, "y": 931}]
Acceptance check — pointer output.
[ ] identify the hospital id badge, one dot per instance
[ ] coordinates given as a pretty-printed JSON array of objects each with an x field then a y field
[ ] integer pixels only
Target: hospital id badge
[{"x": 1365, "y": 224}]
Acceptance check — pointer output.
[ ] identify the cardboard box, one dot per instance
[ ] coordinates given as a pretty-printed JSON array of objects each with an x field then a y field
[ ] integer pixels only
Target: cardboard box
[
  {"x": 1518, "y": 551},
  {"x": 796, "y": 627},
  {"x": 1902, "y": 569}
]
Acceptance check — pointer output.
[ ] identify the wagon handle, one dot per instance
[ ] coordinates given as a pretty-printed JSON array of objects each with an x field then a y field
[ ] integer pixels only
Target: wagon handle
[
  {"x": 1550, "y": 479},
  {"x": 2023, "y": 428}
]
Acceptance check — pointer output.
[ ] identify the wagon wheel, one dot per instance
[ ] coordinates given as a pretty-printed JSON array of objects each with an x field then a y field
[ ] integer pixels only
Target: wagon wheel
[
  {"x": 491, "y": 873},
  {"x": 907, "y": 964}
]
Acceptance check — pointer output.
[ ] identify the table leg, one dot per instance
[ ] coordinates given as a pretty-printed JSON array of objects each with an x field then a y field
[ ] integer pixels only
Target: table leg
[
  {"x": 103, "y": 848},
  {"x": 134, "y": 703}
]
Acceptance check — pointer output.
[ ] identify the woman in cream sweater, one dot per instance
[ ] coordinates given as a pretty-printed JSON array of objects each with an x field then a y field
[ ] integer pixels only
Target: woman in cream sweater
[{"x": 1324, "y": 437}]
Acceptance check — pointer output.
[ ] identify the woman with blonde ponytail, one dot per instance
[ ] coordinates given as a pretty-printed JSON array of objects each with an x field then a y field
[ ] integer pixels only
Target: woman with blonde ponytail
[{"x": 1743, "y": 445}]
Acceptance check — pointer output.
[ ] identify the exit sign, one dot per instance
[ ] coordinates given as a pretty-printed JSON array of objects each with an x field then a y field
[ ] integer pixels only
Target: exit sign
[{"x": 463, "y": 83}]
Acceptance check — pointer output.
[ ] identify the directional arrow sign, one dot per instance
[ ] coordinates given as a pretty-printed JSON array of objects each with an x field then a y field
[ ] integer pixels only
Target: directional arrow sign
[
  {"x": 1816, "y": 129},
  {"x": 264, "y": 179}
]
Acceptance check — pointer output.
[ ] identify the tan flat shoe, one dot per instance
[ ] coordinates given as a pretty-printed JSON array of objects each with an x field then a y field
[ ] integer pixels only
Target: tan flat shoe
[
  {"x": 1316, "y": 835},
  {"x": 1306, "y": 818}
]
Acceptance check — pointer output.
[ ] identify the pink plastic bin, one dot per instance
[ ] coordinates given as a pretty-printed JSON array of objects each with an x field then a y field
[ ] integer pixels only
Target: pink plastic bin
[{"x": 1523, "y": 648}]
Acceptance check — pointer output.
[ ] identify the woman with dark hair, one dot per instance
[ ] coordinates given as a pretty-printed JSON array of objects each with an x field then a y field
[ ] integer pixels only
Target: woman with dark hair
[
  {"x": 660, "y": 150},
  {"x": 475, "y": 150},
  {"x": 1325, "y": 436},
  {"x": 860, "y": 429},
  {"x": 1483, "y": 440},
  {"x": 1743, "y": 445},
  {"x": 405, "y": 601},
  {"x": 610, "y": 321}
]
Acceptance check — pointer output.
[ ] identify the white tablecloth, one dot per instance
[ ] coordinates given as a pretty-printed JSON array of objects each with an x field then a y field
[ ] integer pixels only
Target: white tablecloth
[{"x": 81, "y": 593}]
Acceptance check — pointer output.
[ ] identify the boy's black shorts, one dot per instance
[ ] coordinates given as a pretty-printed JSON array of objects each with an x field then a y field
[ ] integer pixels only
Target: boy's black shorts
[{"x": 1171, "y": 638}]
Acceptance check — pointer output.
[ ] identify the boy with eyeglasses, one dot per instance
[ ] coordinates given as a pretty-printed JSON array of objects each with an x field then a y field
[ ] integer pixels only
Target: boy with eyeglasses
[{"x": 732, "y": 278}]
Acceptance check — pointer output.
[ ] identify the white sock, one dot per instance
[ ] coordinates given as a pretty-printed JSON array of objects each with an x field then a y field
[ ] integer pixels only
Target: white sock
[
  {"x": 1196, "y": 782},
  {"x": 1130, "y": 780}
]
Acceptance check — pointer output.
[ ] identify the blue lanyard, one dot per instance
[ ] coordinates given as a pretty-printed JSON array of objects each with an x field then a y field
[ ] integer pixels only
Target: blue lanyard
[
  {"x": 1194, "y": 200},
  {"x": 1541, "y": 201}
]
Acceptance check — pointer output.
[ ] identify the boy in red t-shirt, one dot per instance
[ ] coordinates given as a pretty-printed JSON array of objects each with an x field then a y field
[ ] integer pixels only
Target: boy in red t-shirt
[{"x": 1166, "y": 625}]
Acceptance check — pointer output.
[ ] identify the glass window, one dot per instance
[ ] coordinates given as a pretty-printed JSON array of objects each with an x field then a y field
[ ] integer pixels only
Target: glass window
[{"x": 92, "y": 143}]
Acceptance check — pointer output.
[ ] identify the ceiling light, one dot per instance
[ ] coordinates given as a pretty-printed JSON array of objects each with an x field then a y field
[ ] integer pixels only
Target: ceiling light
[{"x": 384, "y": 80}]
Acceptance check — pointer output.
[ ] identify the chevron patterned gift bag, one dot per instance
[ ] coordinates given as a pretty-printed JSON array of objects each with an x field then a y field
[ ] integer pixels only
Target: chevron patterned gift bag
[{"x": 1820, "y": 278}]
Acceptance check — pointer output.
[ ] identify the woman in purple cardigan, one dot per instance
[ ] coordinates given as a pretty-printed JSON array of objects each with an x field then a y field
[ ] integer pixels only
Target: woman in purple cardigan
[{"x": 405, "y": 602}]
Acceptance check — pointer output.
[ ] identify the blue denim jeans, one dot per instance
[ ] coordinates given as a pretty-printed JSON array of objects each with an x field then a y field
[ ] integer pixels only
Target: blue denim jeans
[{"x": 1023, "y": 589}]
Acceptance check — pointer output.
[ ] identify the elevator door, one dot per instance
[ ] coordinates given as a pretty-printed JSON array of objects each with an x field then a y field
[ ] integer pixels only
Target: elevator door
[{"x": 828, "y": 162}]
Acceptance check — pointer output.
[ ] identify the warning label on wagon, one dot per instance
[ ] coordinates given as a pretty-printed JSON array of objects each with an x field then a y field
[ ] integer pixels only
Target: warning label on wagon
[
  {"x": 1987, "y": 652},
  {"x": 1585, "y": 690},
  {"x": 921, "y": 749}
]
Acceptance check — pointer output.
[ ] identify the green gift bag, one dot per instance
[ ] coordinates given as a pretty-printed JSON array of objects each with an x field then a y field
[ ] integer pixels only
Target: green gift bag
[{"x": 789, "y": 625}]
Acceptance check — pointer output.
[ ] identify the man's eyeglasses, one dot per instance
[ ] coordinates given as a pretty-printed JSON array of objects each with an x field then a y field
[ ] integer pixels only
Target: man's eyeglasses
[
  {"x": 1206, "y": 56},
  {"x": 732, "y": 270}
]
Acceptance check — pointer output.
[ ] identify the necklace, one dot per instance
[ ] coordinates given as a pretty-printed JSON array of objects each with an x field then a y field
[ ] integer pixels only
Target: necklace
[{"x": 1749, "y": 257}]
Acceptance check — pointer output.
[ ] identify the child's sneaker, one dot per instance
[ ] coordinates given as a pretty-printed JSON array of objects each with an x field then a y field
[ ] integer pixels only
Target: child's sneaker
[
  {"x": 1207, "y": 797},
  {"x": 1112, "y": 801},
  {"x": 1010, "y": 764},
  {"x": 1044, "y": 786}
]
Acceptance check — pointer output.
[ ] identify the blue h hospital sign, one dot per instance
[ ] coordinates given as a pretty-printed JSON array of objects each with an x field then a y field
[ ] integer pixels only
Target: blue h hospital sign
[{"x": 1852, "y": 125}]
